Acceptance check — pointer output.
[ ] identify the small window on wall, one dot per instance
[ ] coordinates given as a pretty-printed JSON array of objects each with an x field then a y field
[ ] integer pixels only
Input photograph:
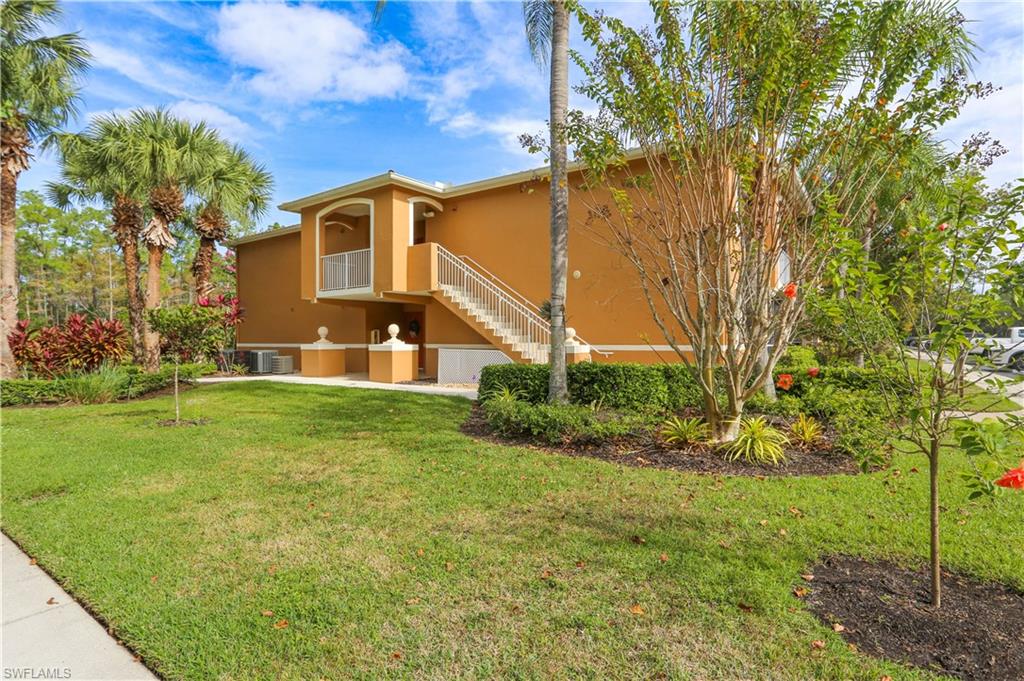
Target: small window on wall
[
  {"x": 374, "y": 336},
  {"x": 782, "y": 270}
]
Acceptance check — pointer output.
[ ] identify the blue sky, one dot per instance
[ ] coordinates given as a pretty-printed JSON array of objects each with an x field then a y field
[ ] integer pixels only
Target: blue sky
[{"x": 438, "y": 91}]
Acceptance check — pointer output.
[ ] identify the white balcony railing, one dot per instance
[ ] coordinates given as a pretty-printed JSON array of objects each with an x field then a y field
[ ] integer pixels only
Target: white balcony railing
[{"x": 348, "y": 270}]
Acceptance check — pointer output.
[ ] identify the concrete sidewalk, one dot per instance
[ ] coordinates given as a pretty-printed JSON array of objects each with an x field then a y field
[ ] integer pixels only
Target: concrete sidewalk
[
  {"x": 46, "y": 634},
  {"x": 348, "y": 381}
]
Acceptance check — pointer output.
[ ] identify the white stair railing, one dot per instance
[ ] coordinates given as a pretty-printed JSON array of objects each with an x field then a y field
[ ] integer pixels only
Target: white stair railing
[{"x": 512, "y": 320}]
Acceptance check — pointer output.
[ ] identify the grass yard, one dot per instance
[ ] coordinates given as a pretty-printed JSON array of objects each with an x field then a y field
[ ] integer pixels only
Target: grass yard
[{"x": 393, "y": 545}]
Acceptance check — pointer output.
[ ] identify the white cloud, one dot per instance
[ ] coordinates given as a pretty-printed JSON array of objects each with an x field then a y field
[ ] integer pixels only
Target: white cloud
[
  {"x": 506, "y": 129},
  {"x": 153, "y": 74},
  {"x": 230, "y": 125},
  {"x": 304, "y": 52}
]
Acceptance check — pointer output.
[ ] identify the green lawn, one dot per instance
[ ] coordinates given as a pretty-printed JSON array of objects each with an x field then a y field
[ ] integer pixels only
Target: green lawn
[{"x": 394, "y": 545}]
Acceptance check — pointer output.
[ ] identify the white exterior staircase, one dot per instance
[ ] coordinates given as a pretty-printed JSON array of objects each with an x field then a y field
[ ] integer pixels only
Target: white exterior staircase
[{"x": 503, "y": 316}]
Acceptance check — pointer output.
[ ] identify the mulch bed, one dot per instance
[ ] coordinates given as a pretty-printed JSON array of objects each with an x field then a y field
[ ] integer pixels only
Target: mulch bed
[
  {"x": 884, "y": 610},
  {"x": 646, "y": 451},
  {"x": 183, "y": 422}
]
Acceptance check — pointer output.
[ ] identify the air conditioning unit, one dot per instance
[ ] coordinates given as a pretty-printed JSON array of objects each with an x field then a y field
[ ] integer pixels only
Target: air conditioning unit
[
  {"x": 282, "y": 364},
  {"x": 262, "y": 361}
]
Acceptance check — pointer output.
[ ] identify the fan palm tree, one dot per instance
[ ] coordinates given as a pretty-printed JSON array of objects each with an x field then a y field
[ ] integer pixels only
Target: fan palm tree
[
  {"x": 171, "y": 157},
  {"x": 40, "y": 89},
  {"x": 237, "y": 188},
  {"x": 94, "y": 165},
  {"x": 547, "y": 30}
]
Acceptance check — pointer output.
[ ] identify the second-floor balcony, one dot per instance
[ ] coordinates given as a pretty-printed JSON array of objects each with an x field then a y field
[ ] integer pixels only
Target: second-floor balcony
[{"x": 346, "y": 271}]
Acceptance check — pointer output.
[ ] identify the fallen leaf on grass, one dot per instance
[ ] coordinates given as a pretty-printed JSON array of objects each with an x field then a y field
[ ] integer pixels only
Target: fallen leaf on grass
[
  {"x": 449, "y": 567},
  {"x": 837, "y": 627},
  {"x": 153, "y": 579},
  {"x": 763, "y": 523},
  {"x": 280, "y": 624},
  {"x": 546, "y": 574},
  {"x": 420, "y": 552},
  {"x": 783, "y": 532},
  {"x": 272, "y": 569},
  {"x": 800, "y": 592},
  {"x": 885, "y": 677},
  {"x": 637, "y": 539},
  {"x": 267, "y": 613},
  {"x": 744, "y": 607},
  {"x": 396, "y": 655},
  {"x": 52, "y": 601},
  {"x": 795, "y": 511},
  {"x": 413, "y": 601},
  {"x": 580, "y": 564},
  {"x": 663, "y": 558},
  {"x": 636, "y": 610},
  {"x": 807, "y": 577},
  {"x": 817, "y": 644}
]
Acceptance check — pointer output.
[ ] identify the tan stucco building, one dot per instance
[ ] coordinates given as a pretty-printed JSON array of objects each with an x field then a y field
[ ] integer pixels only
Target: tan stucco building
[{"x": 459, "y": 268}]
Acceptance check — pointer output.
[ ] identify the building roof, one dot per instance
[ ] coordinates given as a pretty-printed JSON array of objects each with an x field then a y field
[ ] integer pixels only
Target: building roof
[{"x": 267, "y": 234}]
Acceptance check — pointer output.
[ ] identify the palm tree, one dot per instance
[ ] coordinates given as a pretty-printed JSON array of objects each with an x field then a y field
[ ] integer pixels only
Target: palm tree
[
  {"x": 547, "y": 30},
  {"x": 237, "y": 189},
  {"x": 171, "y": 158},
  {"x": 94, "y": 165},
  {"x": 40, "y": 89}
]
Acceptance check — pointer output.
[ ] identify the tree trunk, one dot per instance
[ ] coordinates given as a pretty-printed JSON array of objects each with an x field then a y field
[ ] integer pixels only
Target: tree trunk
[
  {"x": 768, "y": 388},
  {"x": 202, "y": 267},
  {"x": 177, "y": 403},
  {"x": 8, "y": 268},
  {"x": 933, "y": 476},
  {"x": 558, "y": 389},
  {"x": 152, "y": 338},
  {"x": 136, "y": 321}
]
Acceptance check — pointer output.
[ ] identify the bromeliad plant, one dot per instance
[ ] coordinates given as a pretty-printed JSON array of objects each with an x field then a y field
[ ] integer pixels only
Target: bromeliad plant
[
  {"x": 805, "y": 430},
  {"x": 681, "y": 432},
  {"x": 757, "y": 442}
]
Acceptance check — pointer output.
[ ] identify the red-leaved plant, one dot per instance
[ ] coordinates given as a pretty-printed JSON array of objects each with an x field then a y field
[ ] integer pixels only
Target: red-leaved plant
[{"x": 79, "y": 345}]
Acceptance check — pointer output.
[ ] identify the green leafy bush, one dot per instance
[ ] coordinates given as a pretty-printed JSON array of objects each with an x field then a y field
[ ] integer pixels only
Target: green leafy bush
[
  {"x": 757, "y": 442},
  {"x": 630, "y": 387},
  {"x": 784, "y": 405},
  {"x": 553, "y": 423},
  {"x": 805, "y": 430},
  {"x": 799, "y": 358},
  {"x": 681, "y": 432},
  {"x": 633, "y": 387},
  {"x": 21, "y": 391}
]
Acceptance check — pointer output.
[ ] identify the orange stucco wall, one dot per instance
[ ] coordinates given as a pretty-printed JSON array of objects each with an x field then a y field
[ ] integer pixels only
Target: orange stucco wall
[{"x": 504, "y": 229}]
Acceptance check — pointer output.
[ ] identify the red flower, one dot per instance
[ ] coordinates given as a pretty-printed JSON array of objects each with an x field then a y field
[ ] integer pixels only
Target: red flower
[
  {"x": 785, "y": 381},
  {"x": 790, "y": 290},
  {"x": 942, "y": 227},
  {"x": 1013, "y": 478},
  {"x": 813, "y": 372}
]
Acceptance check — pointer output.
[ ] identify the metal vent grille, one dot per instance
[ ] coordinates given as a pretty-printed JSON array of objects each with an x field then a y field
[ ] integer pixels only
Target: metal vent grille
[
  {"x": 261, "y": 361},
  {"x": 283, "y": 364},
  {"x": 457, "y": 365}
]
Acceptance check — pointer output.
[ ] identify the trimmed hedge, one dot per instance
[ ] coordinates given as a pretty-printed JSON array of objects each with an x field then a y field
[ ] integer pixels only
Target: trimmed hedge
[
  {"x": 555, "y": 423},
  {"x": 630, "y": 387},
  {"x": 135, "y": 383}
]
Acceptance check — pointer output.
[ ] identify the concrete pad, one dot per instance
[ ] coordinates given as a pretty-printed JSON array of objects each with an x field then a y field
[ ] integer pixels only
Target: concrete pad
[{"x": 46, "y": 634}]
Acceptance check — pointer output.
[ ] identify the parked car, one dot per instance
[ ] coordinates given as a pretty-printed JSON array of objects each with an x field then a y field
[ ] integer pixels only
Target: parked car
[{"x": 1005, "y": 352}]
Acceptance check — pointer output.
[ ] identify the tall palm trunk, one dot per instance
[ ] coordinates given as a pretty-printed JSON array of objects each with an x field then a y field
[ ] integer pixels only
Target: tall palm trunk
[
  {"x": 558, "y": 390},
  {"x": 151, "y": 359},
  {"x": 14, "y": 157},
  {"x": 127, "y": 214},
  {"x": 202, "y": 266},
  {"x": 167, "y": 203}
]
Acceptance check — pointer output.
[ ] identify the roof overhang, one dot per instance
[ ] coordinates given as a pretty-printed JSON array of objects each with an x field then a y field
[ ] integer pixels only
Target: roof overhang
[{"x": 269, "y": 234}]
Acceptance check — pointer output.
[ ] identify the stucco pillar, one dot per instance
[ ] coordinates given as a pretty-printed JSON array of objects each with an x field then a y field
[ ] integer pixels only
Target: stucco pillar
[
  {"x": 323, "y": 358},
  {"x": 393, "y": 361},
  {"x": 575, "y": 351}
]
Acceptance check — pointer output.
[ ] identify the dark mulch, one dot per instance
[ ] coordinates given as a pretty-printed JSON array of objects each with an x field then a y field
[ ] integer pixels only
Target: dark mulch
[
  {"x": 646, "y": 451},
  {"x": 183, "y": 422},
  {"x": 885, "y": 611}
]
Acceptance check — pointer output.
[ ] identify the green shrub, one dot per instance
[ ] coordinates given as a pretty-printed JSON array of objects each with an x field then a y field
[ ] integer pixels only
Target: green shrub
[
  {"x": 554, "y": 423},
  {"x": 757, "y": 442},
  {"x": 20, "y": 391},
  {"x": 632, "y": 387},
  {"x": 784, "y": 405},
  {"x": 97, "y": 387},
  {"x": 529, "y": 381},
  {"x": 798, "y": 358},
  {"x": 681, "y": 432}
]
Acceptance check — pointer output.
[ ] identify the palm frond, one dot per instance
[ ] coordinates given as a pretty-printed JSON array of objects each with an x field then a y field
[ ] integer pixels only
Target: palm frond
[{"x": 538, "y": 17}]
